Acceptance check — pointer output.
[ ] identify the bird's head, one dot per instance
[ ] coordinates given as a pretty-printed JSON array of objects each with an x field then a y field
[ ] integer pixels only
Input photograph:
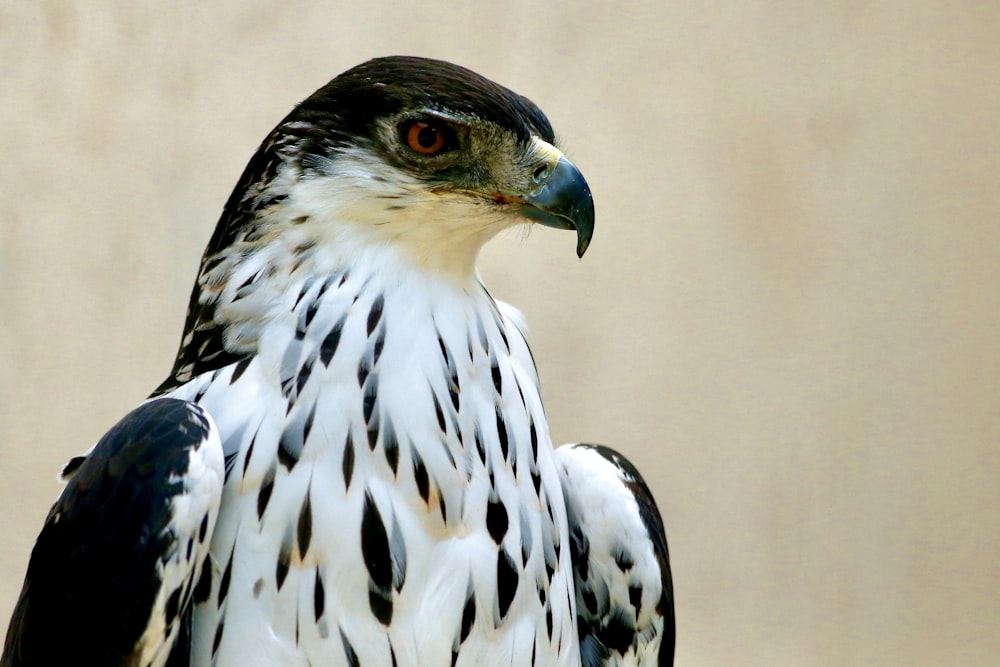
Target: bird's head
[
  {"x": 398, "y": 164},
  {"x": 410, "y": 154}
]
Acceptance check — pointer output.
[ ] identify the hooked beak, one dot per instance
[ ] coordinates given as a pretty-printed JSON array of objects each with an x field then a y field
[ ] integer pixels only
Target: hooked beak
[{"x": 563, "y": 201}]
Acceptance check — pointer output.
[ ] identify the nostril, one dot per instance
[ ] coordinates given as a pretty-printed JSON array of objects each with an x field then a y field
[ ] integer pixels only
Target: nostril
[{"x": 541, "y": 172}]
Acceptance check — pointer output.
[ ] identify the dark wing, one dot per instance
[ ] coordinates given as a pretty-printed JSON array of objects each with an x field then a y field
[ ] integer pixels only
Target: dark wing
[
  {"x": 624, "y": 591},
  {"x": 114, "y": 568}
]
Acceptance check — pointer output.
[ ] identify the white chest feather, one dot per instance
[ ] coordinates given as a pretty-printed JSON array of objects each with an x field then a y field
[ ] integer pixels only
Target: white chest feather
[{"x": 392, "y": 498}]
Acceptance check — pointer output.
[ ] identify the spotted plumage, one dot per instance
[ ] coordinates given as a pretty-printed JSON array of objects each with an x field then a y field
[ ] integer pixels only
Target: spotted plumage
[
  {"x": 391, "y": 494},
  {"x": 622, "y": 573}
]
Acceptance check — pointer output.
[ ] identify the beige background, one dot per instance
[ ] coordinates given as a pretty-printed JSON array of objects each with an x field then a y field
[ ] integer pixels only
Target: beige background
[{"x": 789, "y": 315}]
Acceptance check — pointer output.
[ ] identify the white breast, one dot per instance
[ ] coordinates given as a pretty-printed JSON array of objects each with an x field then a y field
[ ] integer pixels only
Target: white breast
[{"x": 393, "y": 498}]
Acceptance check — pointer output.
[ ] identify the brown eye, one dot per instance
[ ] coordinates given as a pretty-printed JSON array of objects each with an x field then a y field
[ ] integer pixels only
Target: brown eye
[{"x": 425, "y": 138}]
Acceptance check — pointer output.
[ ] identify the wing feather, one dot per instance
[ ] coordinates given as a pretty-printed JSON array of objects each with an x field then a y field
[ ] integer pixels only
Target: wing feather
[
  {"x": 112, "y": 571},
  {"x": 624, "y": 590}
]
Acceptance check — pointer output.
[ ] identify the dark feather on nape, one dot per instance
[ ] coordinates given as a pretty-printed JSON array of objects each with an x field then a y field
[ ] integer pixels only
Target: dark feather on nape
[{"x": 206, "y": 351}]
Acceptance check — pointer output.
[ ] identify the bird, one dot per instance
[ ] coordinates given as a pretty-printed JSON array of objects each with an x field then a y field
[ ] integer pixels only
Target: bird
[{"x": 349, "y": 462}]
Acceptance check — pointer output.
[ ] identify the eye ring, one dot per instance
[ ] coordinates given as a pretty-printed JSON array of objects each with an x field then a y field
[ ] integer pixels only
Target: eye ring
[{"x": 425, "y": 137}]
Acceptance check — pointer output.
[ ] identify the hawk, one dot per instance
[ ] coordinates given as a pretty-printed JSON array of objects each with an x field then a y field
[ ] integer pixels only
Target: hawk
[{"x": 349, "y": 463}]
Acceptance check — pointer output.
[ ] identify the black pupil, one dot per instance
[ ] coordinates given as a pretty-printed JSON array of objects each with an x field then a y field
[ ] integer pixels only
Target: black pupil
[{"x": 427, "y": 136}]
